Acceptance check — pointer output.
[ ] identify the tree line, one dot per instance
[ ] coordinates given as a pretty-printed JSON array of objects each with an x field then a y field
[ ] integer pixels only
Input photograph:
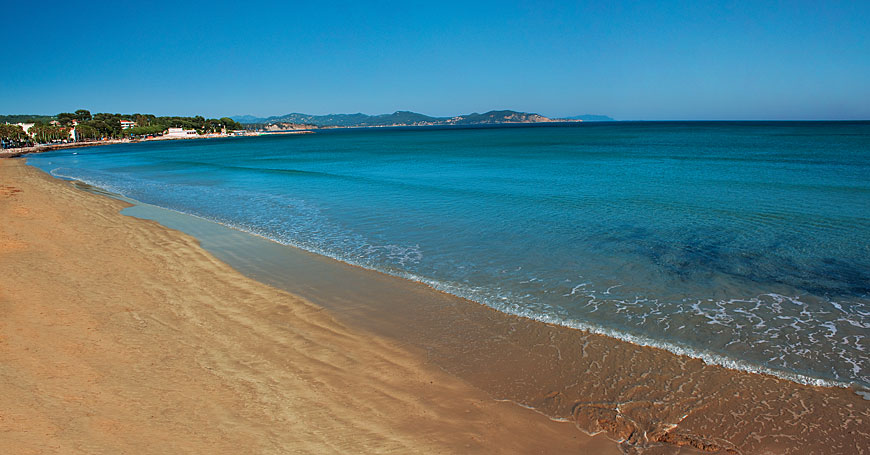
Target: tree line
[
  {"x": 105, "y": 126},
  {"x": 13, "y": 136}
]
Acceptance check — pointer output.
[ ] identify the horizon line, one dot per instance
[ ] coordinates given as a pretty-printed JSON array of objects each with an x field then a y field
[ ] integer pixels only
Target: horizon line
[{"x": 491, "y": 110}]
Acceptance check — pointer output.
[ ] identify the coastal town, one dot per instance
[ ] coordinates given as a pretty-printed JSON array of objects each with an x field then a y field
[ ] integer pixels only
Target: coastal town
[
  {"x": 29, "y": 134},
  {"x": 73, "y": 134},
  {"x": 22, "y": 134}
]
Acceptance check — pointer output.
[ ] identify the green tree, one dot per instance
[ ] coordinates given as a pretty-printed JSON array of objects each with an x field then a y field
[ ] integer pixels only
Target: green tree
[
  {"x": 44, "y": 133},
  {"x": 83, "y": 115},
  {"x": 108, "y": 125},
  {"x": 66, "y": 118},
  {"x": 13, "y": 136},
  {"x": 141, "y": 120},
  {"x": 85, "y": 132},
  {"x": 102, "y": 127},
  {"x": 230, "y": 124}
]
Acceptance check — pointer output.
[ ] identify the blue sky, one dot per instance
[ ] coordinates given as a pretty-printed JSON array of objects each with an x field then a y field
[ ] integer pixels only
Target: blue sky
[{"x": 629, "y": 60}]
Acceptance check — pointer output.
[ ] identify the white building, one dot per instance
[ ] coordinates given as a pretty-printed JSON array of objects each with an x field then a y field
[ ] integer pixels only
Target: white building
[
  {"x": 127, "y": 124},
  {"x": 179, "y": 132},
  {"x": 26, "y": 126}
]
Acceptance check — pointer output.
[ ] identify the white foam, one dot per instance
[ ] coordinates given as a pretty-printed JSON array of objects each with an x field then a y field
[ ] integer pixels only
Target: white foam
[
  {"x": 475, "y": 295},
  {"x": 507, "y": 305}
]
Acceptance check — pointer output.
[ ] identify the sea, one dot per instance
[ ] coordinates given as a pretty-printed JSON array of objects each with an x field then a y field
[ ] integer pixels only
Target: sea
[{"x": 744, "y": 244}]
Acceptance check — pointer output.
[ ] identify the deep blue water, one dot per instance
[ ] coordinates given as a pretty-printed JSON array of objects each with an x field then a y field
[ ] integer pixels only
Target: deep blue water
[{"x": 746, "y": 244}]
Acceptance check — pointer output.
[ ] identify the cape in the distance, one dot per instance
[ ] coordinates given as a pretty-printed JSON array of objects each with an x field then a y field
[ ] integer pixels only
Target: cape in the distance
[{"x": 406, "y": 118}]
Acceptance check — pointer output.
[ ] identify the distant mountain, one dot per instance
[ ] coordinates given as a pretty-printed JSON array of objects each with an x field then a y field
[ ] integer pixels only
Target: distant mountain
[
  {"x": 589, "y": 118},
  {"x": 398, "y": 118},
  {"x": 248, "y": 119},
  {"x": 493, "y": 117}
]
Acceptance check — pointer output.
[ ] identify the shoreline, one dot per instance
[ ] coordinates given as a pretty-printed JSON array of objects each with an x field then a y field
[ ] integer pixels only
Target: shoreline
[
  {"x": 141, "y": 341},
  {"x": 536, "y": 364},
  {"x": 42, "y": 148},
  {"x": 19, "y": 152},
  {"x": 708, "y": 357},
  {"x": 513, "y": 358}
]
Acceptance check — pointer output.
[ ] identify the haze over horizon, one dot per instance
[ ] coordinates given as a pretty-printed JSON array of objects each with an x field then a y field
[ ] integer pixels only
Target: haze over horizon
[{"x": 630, "y": 61}]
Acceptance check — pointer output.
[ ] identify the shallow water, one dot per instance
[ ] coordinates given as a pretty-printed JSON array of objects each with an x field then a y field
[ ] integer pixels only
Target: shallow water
[{"x": 746, "y": 244}]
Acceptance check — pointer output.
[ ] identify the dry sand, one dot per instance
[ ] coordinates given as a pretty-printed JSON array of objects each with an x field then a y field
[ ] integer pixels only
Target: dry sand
[{"x": 118, "y": 335}]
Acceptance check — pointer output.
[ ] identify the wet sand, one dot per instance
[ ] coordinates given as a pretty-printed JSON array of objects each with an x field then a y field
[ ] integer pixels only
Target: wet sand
[
  {"x": 650, "y": 400},
  {"x": 119, "y": 335}
]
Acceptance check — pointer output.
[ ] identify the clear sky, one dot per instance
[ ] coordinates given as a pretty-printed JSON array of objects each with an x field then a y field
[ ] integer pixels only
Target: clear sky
[{"x": 629, "y": 60}]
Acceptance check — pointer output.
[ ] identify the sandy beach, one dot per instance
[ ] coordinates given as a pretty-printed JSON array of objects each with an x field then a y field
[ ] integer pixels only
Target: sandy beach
[
  {"x": 121, "y": 336},
  {"x": 578, "y": 227}
]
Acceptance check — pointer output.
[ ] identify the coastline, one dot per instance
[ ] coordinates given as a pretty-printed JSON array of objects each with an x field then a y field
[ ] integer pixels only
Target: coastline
[
  {"x": 733, "y": 360},
  {"x": 122, "y": 335},
  {"x": 41, "y": 148},
  {"x": 600, "y": 383},
  {"x": 647, "y": 398},
  {"x": 20, "y": 152}
]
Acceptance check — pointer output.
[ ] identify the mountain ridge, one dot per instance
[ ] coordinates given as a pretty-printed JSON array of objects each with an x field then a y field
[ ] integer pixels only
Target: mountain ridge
[{"x": 399, "y": 118}]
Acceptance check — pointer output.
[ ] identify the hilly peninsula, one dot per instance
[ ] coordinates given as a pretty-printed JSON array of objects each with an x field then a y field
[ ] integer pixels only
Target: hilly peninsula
[{"x": 398, "y": 118}]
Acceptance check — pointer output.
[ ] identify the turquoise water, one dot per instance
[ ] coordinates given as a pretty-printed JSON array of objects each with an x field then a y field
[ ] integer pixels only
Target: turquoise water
[{"x": 744, "y": 244}]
